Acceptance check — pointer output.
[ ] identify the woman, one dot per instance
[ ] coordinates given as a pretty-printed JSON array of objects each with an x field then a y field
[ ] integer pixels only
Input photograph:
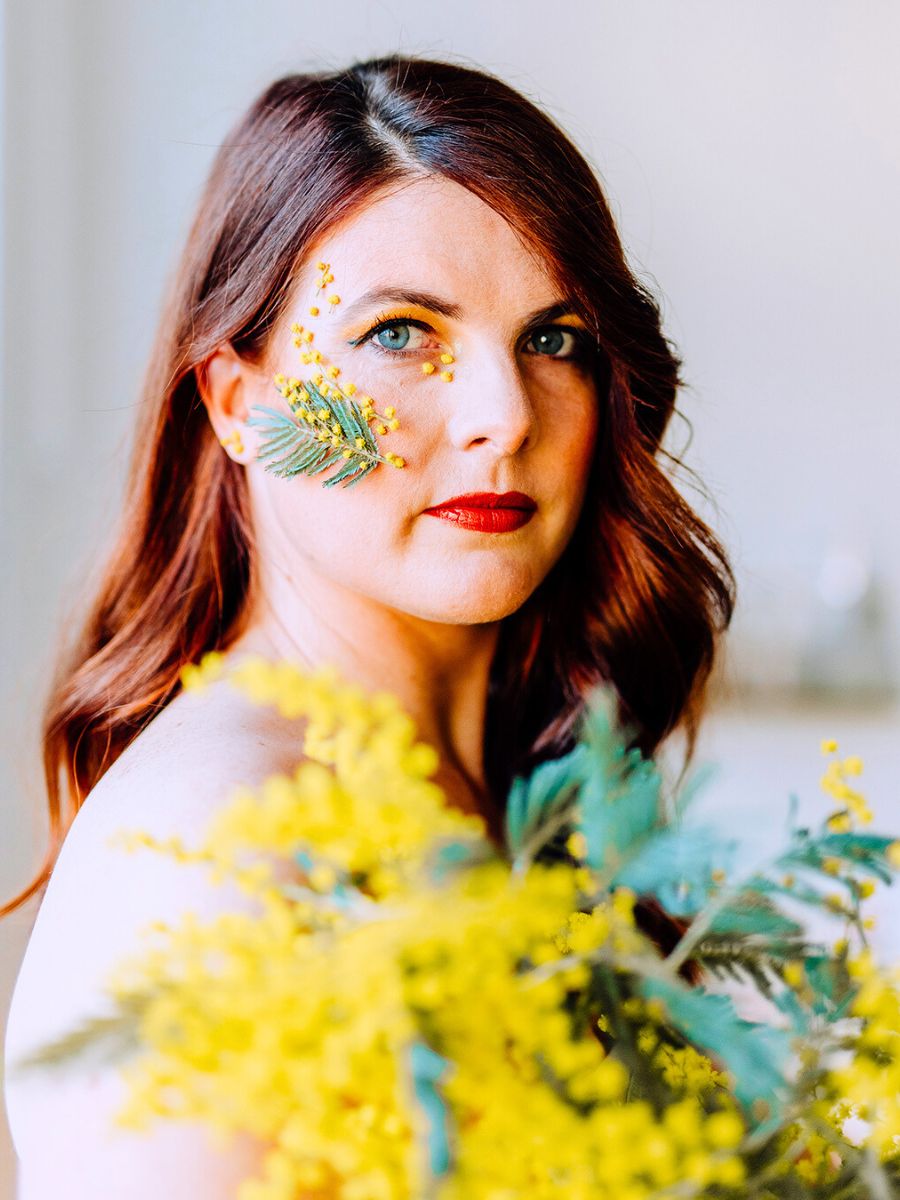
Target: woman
[{"x": 418, "y": 234}]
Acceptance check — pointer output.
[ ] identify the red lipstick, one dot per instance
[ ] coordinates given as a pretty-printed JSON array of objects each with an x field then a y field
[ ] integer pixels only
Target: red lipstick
[{"x": 487, "y": 512}]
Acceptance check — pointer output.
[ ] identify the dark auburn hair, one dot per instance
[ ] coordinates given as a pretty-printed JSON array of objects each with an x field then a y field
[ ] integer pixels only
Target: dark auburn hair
[{"x": 639, "y": 596}]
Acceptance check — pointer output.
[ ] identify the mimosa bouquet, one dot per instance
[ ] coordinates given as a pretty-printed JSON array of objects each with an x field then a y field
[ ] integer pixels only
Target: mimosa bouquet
[{"x": 417, "y": 1012}]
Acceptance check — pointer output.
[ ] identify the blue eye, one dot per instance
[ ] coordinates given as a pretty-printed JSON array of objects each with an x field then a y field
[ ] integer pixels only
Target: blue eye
[
  {"x": 552, "y": 338},
  {"x": 393, "y": 335}
]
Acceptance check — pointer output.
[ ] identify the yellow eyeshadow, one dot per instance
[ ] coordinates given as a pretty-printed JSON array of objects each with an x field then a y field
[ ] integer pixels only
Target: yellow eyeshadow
[{"x": 407, "y": 313}]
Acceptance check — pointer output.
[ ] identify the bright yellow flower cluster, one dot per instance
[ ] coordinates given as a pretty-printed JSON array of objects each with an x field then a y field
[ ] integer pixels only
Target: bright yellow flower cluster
[
  {"x": 357, "y": 747},
  {"x": 818, "y": 1163},
  {"x": 687, "y": 1070},
  {"x": 869, "y": 1084},
  {"x": 834, "y": 783},
  {"x": 298, "y": 1025},
  {"x": 295, "y": 1026},
  {"x": 853, "y": 811}
]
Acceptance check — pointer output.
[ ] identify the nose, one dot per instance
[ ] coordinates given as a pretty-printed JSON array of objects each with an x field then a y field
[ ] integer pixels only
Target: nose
[{"x": 491, "y": 404}]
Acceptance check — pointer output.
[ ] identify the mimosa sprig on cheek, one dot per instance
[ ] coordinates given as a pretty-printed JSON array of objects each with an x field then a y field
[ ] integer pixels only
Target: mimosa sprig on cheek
[{"x": 329, "y": 426}]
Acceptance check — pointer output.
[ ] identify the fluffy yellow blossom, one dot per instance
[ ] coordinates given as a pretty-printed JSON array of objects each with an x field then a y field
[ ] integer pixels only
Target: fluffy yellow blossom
[
  {"x": 834, "y": 783},
  {"x": 392, "y": 925},
  {"x": 869, "y": 1084}
]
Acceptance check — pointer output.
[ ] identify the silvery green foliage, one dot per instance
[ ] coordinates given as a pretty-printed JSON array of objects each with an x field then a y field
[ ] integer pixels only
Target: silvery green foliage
[{"x": 292, "y": 448}]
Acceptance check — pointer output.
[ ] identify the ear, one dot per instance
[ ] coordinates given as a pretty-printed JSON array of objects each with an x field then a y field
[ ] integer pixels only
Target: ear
[{"x": 228, "y": 386}]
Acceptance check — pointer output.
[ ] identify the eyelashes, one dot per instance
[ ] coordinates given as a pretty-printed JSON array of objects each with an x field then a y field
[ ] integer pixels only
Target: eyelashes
[
  {"x": 383, "y": 323},
  {"x": 583, "y": 347}
]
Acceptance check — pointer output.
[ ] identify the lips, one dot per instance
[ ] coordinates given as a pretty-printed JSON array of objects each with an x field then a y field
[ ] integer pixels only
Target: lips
[{"x": 487, "y": 512}]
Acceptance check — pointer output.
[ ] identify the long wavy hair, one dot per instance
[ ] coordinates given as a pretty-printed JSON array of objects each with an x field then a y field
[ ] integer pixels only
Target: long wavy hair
[{"x": 641, "y": 593}]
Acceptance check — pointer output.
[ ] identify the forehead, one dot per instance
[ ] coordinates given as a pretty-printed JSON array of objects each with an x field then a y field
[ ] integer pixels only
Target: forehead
[{"x": 438, "y": 236}]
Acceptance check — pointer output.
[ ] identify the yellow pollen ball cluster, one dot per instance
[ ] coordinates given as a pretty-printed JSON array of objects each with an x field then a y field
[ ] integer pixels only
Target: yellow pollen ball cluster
[
  {"x": 311, "y": 1056},
  {"x": 853, "y": 806},
  {"x": 333, "y": 430},
  {"x": 428, "y": 368},
  {"x": 394, "y": 943}
]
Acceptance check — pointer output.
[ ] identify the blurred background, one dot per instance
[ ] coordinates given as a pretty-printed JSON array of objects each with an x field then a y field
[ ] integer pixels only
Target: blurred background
[{"x": 751, "y": 153}]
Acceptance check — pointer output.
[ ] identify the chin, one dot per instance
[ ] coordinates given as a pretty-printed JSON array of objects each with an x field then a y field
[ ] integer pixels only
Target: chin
[{"x": 487, "y": 598}]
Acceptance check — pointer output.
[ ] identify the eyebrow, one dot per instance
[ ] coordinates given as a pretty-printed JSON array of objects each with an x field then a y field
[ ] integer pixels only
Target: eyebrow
[{"x": 398, "y": 295}]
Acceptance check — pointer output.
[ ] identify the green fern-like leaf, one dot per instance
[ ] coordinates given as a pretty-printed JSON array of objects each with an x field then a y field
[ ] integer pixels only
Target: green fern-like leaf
[
  {"x": 96, "y": 1042},
  {"x": 541, "y": 803},
  {"x": 755, "y": 1053},
  {"x": 290, "y": 447}
]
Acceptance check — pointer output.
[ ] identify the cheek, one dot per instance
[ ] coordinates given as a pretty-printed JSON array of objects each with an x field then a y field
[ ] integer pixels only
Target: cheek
[
  {"x": 575, "y": 441},
  {"x": 345, "y": 532}
]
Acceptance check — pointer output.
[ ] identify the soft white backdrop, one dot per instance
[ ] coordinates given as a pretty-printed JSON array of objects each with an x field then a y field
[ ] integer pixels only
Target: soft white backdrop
[{"x": 750, "y": 152}]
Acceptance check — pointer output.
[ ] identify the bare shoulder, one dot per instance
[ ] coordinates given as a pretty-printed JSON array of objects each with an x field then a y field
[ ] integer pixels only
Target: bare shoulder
[
  {"x": 204, "y": 741},
  {"x": 170, "y": 781}
]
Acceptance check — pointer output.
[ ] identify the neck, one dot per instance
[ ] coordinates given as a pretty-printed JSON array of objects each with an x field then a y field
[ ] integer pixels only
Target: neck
[{"x": 438, "y": 672}]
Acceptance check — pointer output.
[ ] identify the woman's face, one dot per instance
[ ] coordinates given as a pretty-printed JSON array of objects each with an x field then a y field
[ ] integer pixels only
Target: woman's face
[{"x": 520, "y": 413}]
